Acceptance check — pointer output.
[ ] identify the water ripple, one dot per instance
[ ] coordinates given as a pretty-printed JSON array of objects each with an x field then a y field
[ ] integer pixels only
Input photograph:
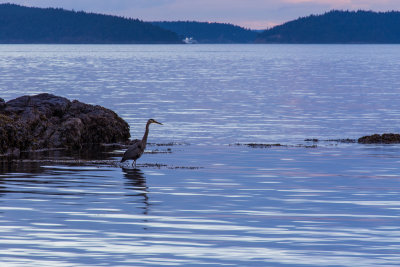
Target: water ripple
[{"x": 331, "y": 205}]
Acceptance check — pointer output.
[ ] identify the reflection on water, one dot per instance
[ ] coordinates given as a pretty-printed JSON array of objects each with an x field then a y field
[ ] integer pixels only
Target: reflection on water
[
  {"x": 334, "y": 204},
  {"x": 220, "y": 94},
  {"x": 136, "y": 182},
  {"x": 245, "y": 207}
]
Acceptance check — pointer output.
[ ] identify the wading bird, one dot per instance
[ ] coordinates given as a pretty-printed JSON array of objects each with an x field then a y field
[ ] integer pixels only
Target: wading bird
[{"x": 136, "y": 149}]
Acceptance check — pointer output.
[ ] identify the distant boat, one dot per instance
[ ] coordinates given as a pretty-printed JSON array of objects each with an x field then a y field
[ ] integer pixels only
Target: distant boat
[{"x": 189, "y": 40}]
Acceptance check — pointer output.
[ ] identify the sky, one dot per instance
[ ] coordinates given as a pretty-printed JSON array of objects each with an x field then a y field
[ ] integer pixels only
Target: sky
[{"x": 253, "y": 14}]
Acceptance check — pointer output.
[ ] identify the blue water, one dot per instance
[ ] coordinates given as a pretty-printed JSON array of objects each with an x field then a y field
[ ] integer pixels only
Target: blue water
[{"x": 202, "y": 199}]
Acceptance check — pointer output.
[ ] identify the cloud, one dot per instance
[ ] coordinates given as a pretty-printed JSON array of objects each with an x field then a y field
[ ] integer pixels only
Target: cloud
[
  {"x": 249, "y": 13},
  {"x": 90, "y": 5},
  {"x": 351, "y": 4}
]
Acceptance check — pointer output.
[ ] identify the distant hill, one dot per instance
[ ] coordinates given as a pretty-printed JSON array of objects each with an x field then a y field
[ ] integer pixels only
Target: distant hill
[
  {"x": 337, "y": 27},
  {"x": 204, "y": 32},
  {"x": 19, "y": 24}
]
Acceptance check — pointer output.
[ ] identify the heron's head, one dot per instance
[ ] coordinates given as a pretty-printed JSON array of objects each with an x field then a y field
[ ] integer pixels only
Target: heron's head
[{"x": 154, "y": 121}]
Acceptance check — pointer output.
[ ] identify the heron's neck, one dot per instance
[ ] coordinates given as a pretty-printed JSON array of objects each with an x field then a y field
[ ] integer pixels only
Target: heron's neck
[{"x": 146, "y": 133}]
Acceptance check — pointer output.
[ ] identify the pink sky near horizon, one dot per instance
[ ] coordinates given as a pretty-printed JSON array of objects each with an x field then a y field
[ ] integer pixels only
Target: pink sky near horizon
[{"x": 254, "y": 14}]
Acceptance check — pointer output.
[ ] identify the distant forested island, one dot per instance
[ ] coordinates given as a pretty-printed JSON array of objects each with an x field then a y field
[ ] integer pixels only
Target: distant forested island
[
  {"x": 19, "y": 24},
  {"x": 209, "y": 33},
  {"x": 337, "y": 27}
]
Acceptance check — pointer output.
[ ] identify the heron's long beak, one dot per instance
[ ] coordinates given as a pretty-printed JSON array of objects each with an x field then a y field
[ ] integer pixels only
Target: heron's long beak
[{"x": 158, "y": 122}]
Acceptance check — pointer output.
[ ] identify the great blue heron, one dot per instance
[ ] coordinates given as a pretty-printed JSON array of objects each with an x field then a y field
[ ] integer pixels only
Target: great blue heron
[{"x": 136, "y": 149}]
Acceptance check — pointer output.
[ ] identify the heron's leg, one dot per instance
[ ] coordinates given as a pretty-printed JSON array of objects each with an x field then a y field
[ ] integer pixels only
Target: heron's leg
[{"x": 135, "y": 164}]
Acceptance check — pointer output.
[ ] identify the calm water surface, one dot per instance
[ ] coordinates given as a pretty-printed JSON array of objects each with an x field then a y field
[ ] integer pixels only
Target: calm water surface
[{"x": 202, "y": 199}]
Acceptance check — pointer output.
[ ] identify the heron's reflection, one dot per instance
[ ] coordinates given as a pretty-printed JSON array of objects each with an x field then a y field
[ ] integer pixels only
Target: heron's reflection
[{"x": 136, "y": 181}]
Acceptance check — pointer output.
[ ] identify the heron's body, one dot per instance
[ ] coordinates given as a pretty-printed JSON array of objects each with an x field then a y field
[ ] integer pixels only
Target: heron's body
[{"x": 136, "y": 149}]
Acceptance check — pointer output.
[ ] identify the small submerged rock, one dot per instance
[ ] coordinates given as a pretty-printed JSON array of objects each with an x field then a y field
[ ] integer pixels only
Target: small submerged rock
[
  {"x": 344, "y": 140},
  {"x": 47, "y": 121},
  {"x": 387, "y": 138},
  {"x": 168, "y": 144},
  {"x": 255, "y": 145},
  {"x": 258, "y": 145}
]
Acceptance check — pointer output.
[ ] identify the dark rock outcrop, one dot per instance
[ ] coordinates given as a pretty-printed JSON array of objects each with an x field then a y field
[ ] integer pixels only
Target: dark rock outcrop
[
  {"x": 47, "y": 121},
  {"x": 387, "y": 138}
]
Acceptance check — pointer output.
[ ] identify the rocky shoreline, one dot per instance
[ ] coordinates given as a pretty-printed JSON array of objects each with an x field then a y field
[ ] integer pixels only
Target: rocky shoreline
[
  {"x": 46, "y": 121},
  {"x": 387, "y": 138}
]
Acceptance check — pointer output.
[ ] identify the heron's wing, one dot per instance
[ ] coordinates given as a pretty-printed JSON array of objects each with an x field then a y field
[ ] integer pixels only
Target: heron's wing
[
  {"x": 134, "y": 141},
  {"x": 134, "y": 151}
]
